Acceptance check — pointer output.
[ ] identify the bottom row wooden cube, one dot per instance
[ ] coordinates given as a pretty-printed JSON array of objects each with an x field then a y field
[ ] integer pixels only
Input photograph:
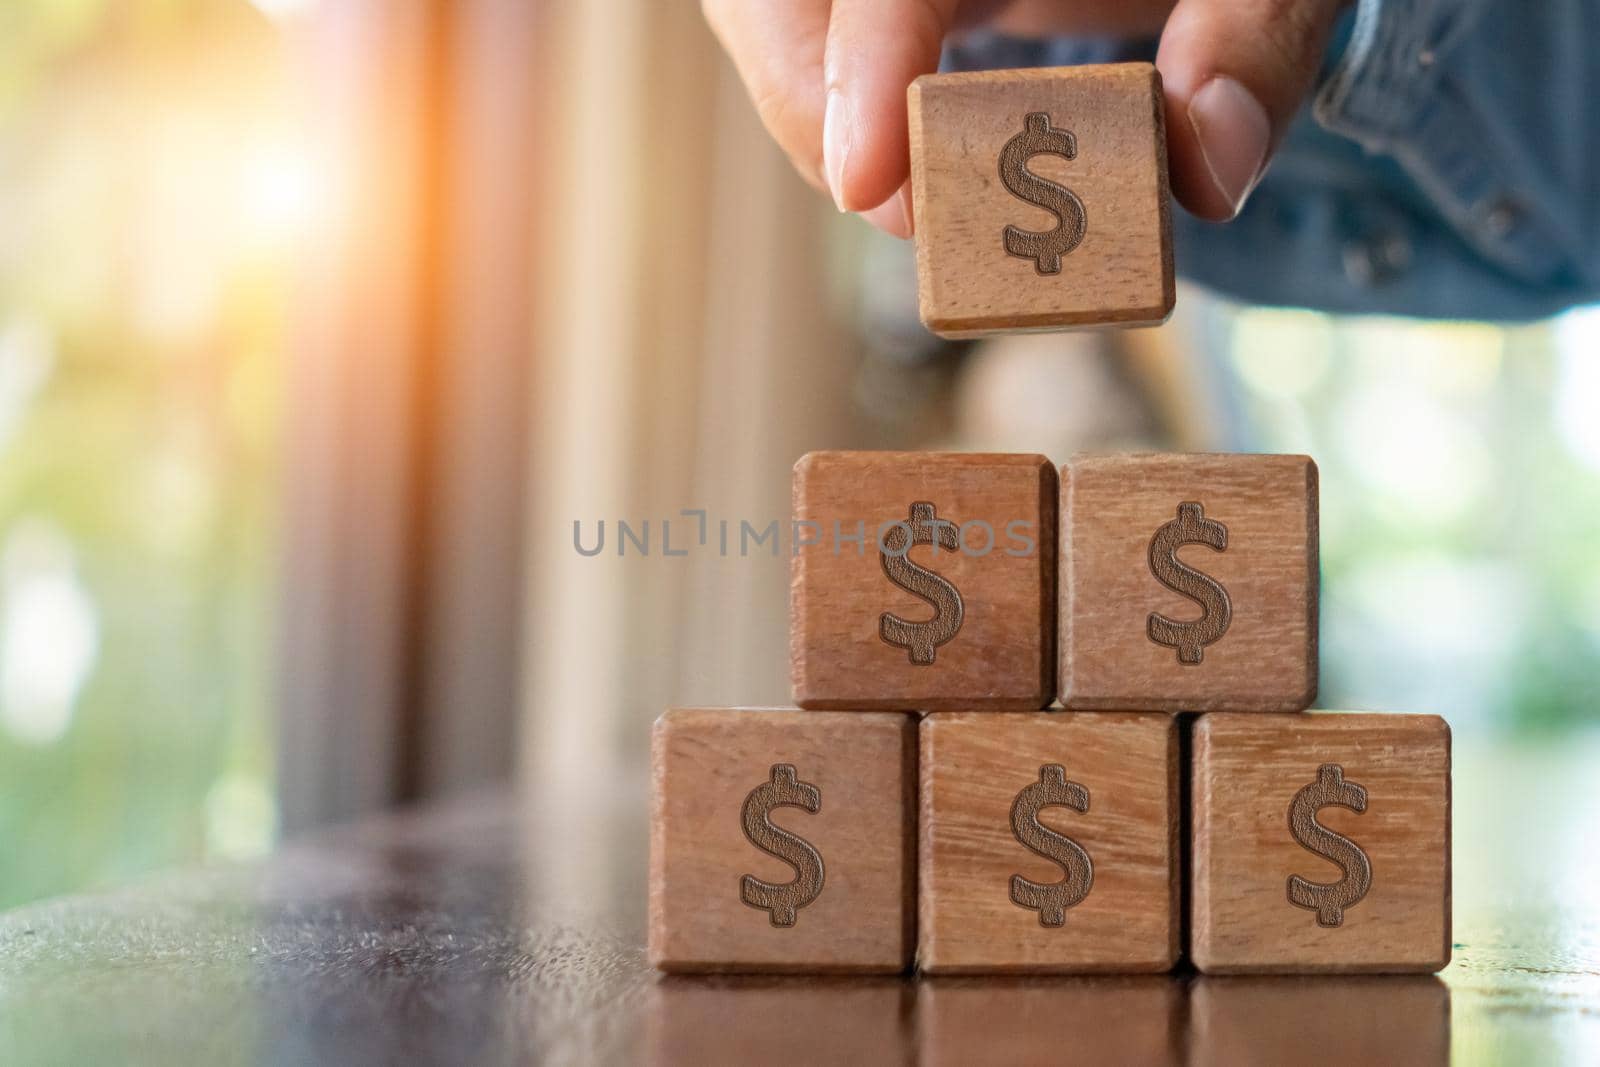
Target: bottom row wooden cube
[
  {"x": 783, "y": 841},
  {"x": 1047, "y": 842},
  {"x": 1321, "y": 843}
]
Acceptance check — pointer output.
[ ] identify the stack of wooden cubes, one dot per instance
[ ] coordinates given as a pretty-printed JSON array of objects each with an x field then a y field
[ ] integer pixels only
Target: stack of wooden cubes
[{"x": 919, "y": 809}]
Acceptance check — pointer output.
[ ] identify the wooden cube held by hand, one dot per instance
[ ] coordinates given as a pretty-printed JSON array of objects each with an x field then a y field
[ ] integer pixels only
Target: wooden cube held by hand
[{"x": 1040, "y": 199}]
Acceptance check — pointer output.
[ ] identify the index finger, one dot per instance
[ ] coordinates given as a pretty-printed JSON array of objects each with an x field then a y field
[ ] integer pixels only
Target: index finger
[
  {"x": 777, "y": 47},
  {"x": 876, "y": 49}
]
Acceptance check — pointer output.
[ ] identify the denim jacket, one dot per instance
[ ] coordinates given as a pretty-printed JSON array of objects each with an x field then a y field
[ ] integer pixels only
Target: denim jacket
[{"x": 1447, "y": 165}]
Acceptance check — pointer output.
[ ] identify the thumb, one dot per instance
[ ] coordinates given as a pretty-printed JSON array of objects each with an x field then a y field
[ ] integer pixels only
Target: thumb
[
  {"x": 876, "y": 48},
  {"x": 1235, "y": 73}
]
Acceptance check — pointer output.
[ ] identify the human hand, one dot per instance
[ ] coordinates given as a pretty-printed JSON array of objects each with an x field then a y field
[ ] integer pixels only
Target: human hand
[{"x": 829, "y": 79}]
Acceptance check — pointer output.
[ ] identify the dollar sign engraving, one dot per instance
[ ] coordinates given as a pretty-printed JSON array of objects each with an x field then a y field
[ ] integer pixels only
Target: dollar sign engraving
[
  {"x": 1329, "y": 901},
  {"x": 1191, "y": 527},
  {"x": 1045, "y": 249},
  {"x": 1051, "y": 900},
  {"x": 920, "y": 638},
  {"x": 785, "y": 789}
]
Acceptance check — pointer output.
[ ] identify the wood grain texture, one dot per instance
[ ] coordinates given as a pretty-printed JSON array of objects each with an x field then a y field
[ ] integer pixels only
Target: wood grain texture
[
  {"x": 1021, "y": 1021},
  {"x": 1317, "y": 1019},
  {"x": 1120, "y": 274},
  {"x": 705, "y": 762},
  {"x": 972, "y": 769},
  {"x": 1248, "y": 770},
  {"x": 1001, "y": 658},
  {"x": 1112, "y": 508}
]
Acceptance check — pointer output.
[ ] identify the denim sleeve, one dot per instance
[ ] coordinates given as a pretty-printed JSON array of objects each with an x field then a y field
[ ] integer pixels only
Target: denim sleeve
[{"x": 1448, "y": 165}]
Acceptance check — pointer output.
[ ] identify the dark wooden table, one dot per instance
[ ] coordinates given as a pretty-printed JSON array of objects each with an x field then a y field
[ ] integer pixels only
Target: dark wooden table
[{"x": 497, "y": 930}]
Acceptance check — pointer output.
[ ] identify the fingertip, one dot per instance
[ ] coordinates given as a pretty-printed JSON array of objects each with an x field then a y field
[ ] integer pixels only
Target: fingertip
[
  {"x": 838, "y": 133},
  {"x": 1192, "y": 183},
  {"x": 868, "y": 150},
  {"x": 1235, "y": 73},
  {"x": 875, "y": 49},
  {"x": 893, "y": 216},
  {"x": 1219, "y": 143},
  {"x": 778, "y": 50}
]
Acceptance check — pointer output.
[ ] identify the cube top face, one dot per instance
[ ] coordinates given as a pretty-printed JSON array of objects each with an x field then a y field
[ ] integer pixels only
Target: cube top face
[
  {"x": 1189, "y": 583},
  {"x": 1321, "y": 843},
  {"x": 1048, "y": 843},
  {"x": 1040, "y": 199},
  {"x": 947, "y": 598},
  {"x": 782, "y": 841}
]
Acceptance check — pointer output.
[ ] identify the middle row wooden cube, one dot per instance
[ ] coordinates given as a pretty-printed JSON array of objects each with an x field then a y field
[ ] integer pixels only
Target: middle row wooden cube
[{"x": 929, "y": 581}]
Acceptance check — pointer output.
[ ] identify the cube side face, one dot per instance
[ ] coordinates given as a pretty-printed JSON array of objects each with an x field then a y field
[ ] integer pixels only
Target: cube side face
[
  {"x": 996, "y": 798},
  {"x": 1289, "y": 876},
  {"x": 1189, "y": 583},
  {"x": 990, "y": 151},
  {"x": 976, "y": 611},
  {"x": 851, "y": 859}
]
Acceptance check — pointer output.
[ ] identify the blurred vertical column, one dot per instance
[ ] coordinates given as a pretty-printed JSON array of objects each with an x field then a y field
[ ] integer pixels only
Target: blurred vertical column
[
  {"x": 493, "y": 121},
  {"x": 351, "y": 394},
  {"x": 692, "y": 345},
  {"x": 408, "y": 406}
]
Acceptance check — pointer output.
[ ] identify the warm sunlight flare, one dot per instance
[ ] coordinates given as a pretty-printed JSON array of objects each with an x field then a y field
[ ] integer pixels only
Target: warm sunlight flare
[
  {"x": 280, "y": 189},
  {"x": 284, "y": 9}
]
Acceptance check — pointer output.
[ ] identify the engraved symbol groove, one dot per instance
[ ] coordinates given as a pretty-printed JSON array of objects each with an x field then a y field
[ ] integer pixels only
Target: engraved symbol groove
[
  {"x": 920, "y": 639},
  {"x": 1330, "y": 900},
  {"x": 1191, "y": 527},
  {"x": 1051, "y": 899},
  {"x": 784, "y": 790},
  {"x": 1045, "y": 248}
]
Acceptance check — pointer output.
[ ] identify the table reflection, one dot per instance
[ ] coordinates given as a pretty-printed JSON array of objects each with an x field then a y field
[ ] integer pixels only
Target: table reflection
[
  {"x": 963, "y": 1021},
  {"x": 1179, "y": 1020},
  {"x": 1332, "y": 1019},
  {"x": 695, "y": 1020}
]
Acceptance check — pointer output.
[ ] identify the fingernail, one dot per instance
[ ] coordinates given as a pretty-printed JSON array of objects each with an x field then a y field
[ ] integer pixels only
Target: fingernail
[
  {"x": 835, "y": 144},
  {"x": 1234, "y": 132},
  {"x": 893, "y": 216}
]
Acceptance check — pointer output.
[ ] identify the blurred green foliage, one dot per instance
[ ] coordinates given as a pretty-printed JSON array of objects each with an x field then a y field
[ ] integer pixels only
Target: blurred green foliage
[
  {"x": 142, "y": 328},
  {"x": 1460, "y": 471}
]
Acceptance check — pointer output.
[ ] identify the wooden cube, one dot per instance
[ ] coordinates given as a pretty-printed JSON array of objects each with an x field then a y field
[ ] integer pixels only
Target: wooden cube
[
  {"x": 782, "y": 840},
  {"x": 929, "y": 582},
  {"x": 1321, "y": 843},
  {"x": 1189, "y": 583},
  {"x": 1346, "y": 1019},
  {"x": 964, "y": 1021},
  {"x": 1040, "y": 199},
  {"x": 1049, "y": 843}
]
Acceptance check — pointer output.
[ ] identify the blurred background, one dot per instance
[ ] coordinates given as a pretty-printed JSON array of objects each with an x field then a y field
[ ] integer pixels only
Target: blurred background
[{"x": 322, "y": 323}]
